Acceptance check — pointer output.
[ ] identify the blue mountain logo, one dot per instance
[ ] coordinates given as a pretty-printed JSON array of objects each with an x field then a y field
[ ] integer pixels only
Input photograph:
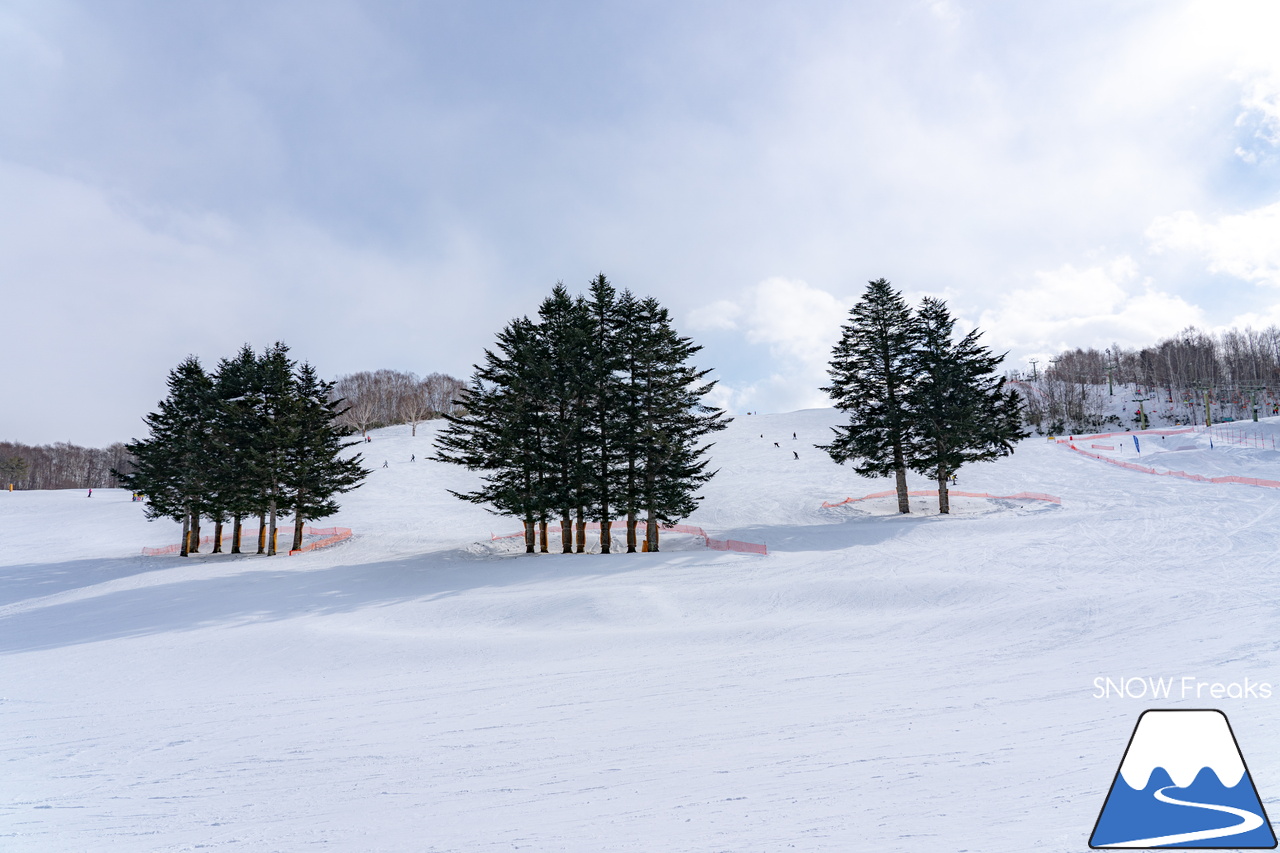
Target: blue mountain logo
[{"x": 1183, "y": 783}]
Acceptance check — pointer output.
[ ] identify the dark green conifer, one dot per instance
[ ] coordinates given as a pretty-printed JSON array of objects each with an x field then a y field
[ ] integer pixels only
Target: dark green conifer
[
  {"x": 959, "y": 407},
  {"x": 315, "y": 470},
  {"x": 872, "y": 373},
  {"x": 172, "y": 465}
]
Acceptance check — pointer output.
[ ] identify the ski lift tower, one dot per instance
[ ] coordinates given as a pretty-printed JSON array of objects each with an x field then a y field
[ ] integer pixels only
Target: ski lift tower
[
  {"x": 1252, "y": 389},
  {"x": 1205, "y": 387},
  {"x": 1142, "y": 412}
]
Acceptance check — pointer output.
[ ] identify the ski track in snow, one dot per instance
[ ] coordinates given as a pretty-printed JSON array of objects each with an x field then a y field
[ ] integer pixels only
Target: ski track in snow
[{"x": 877, "y": 682}]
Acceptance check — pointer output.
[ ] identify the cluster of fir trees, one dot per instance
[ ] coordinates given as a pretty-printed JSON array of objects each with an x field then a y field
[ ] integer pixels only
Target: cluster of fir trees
[
  {"x": 590, "y": 413},
  {"x": 256, "y": 437},
  {"x": 916, "y": 398}
]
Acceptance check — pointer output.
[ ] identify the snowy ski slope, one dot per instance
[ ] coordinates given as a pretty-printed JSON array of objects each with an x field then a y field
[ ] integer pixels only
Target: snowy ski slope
[{"x": 877, "y": 682}]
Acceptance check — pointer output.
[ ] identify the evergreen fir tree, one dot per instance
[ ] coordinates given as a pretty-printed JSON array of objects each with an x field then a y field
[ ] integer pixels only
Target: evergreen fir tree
[
  {"x": 593, "y": 410},
  {"x": 604, "y": 426},
  {"x": 277, "y": 432},
  {"x": 503, "y": 430},
  {"x": 171, "y": 466},
  {"x": 315, "y": 470},
  {"x": 872, "y": 373},
  {"x": 238, "y": 422},
  {"x": 565, "y": 391},
  {"x": 669, "y": 422},
  {"x": 959, "y": 407}
]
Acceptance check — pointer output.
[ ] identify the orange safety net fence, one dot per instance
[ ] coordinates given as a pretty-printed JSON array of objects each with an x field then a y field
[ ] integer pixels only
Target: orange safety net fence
[
  {"x": 712, "y": 543},
  {"x": 933, "y": 493},
  {"x": 333, "y": 535},
  {"x": 1198, "y": 478}
]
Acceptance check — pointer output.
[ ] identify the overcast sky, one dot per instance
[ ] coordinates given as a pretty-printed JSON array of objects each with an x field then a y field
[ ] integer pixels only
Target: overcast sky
[{"x": 386, "y": 184}]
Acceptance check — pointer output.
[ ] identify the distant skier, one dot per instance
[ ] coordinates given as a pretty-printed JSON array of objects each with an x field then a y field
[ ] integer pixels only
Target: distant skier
[
  {"x": 91, "y": 493},
  {"x": 413, "y": 457},
  {"x": 793, "y": 436},
  {"x": 796, "y": 455},
  {"x": 775, "y": 444},
  {"x": 384, "y": 463}
]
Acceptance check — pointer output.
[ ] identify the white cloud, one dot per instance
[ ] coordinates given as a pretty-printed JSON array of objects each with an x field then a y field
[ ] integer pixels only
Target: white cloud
[
  {"x": 721, "y": 314},
  {"x": 798, "y": 323},
  {"x": 1095, "y": 306},
  {"x": 1245, "y": 245},
  {"x": 124, "y": 297}
]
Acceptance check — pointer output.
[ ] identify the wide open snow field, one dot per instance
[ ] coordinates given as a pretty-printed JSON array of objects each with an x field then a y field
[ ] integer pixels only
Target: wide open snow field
[{"x": 878, "y": 682}]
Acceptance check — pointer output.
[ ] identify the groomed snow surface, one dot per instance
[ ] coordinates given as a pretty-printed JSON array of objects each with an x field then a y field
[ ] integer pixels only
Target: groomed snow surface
[{"x": 877, "y": 682}]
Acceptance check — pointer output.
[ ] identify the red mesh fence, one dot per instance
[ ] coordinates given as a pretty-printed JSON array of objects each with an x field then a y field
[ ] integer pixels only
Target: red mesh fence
[
  {"x": 1198, "y": 478},
  {"x": 925, "y": 493},
  {"x": 698, "y": 532},
  {"x": 333, "y": 535}
]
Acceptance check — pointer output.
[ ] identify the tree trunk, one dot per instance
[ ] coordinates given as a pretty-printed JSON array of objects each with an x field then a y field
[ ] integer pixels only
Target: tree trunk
[
  {"x": 582, "y": 530},
  {"x": 195, "y": 533},
  {"x": 186, "y": 535},
  {"x": 217, "y": 536},
  {"x": 235, "y": 535},
  {"x": 651, "y": 532},
  {"x": 530, "y": 537},
  {"x": 271, "y": 533},
  {"x": 944, "y": 500},
  {"x": 606, "y": 535},
  {"x": 297, "y": 530},
  {"x": 631, "y": 532},
  {"x": 566, "y": 532},
  {"x": 262, "y": 532},
  {"x": 904, "y": 503}
]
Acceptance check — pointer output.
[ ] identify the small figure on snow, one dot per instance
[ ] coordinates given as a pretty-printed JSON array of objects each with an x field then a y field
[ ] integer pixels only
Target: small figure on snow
[
  {"x": 796, "y": 455},
  {"x": 775, "y": 444},
  {"x": 793, "y": 436},
  {"x": 413, "y": 457},
  {"x": 384, "y": 463},
  {"x": 91, "y": 493}
]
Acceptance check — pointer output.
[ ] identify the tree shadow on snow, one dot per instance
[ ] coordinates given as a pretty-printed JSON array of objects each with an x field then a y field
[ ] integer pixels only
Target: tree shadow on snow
[
  {"x": 833, "y": 536},
  {"x": 248, "y": 589},
  {"x": 253, "y": 589},
  {"x": 33, "y": 580}
]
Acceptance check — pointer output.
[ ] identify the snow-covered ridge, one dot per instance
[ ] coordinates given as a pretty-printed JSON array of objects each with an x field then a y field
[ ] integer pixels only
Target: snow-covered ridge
[{"x": 1183, "y": 743}]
